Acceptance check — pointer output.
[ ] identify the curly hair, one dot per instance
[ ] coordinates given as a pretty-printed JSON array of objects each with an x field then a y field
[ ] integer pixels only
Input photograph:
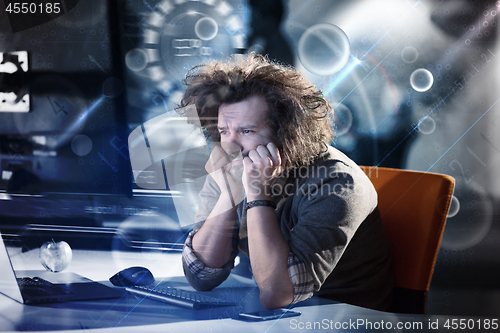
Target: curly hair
[{"x": 297, "y": 110}]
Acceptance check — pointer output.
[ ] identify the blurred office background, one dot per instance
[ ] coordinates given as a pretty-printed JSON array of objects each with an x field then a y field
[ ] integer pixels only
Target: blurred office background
[{"x": 414, "y": 85}]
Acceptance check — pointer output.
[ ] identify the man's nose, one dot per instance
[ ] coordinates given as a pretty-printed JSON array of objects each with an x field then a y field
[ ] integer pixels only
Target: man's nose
[{"x": 232, "y": 147}]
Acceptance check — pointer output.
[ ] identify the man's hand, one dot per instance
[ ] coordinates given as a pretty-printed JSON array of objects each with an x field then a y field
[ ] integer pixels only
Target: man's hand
[
  {"x": 266, "y": 244},
  {"x": 227, "y": 173},
  {"x": 260, "y": 166}
]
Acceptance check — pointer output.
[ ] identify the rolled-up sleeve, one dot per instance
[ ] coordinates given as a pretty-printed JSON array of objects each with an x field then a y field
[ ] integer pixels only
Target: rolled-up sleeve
[
  {"x": 200, "y": 276},
  {"x": 302, "y": 281}
]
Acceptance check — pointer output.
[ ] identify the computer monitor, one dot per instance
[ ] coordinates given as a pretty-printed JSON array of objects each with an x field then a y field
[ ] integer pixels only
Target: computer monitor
[
  {"x": 62, "y": 122},
  {"x": 64, "y": 161},
  {"x": 74, "y": 88}
]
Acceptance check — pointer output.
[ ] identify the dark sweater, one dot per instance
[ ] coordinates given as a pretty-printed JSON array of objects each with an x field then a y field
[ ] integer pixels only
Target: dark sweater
[{"x": 329, "y": 217}]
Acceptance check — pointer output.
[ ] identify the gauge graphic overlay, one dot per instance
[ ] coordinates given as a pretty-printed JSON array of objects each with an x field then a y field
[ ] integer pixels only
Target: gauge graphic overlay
[{"x": 182, "y": 34}]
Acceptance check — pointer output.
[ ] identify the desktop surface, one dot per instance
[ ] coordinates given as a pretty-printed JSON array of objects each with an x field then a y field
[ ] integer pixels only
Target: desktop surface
[{"x": 134, "y": 313}]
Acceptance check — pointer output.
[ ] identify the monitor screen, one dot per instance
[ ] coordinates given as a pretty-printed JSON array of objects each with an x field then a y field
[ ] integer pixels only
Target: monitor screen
[
  {"x": 62, "y": 122},
  {"x": 73, "y": 86}
]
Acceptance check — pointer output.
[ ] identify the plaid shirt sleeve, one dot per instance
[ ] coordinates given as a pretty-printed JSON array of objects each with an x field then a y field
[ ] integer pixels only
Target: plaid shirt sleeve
[
  {"x": 195, "y": 265},
  {"x": 303, "y": 284}
]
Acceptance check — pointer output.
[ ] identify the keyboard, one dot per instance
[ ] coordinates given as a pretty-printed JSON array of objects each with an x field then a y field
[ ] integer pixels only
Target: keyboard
[
  {"x": 36, "y": 286},
  {"x": 184, "y": 298}
]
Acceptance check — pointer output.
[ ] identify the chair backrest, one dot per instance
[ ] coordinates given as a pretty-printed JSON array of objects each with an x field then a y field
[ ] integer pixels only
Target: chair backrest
[{"x": 414, "y": 207}]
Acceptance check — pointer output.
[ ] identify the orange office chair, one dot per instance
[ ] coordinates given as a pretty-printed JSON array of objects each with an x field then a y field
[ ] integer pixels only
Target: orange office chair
[{"x": 414, "y": 207}]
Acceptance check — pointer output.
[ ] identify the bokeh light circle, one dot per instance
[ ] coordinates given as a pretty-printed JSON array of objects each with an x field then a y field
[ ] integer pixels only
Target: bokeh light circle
[
  {"x": 150, "y": 234},
  {"x": 472, "y": 221},
  {"x": 427, "y": 125},
  {"x": 151, "y": 249},
  {"x": 342, "y": 119},
  {"x": 206, "y": 28},
  {"x": 324, "y": 49},
  {"x": 112, "y": 87},
  {"x": 346, "y": 142},
  {"x": 421, "y": 79},
  {"x": 409, "y": 54},
  {"x": 256, "y": 48},
  {"x": 454, "y": 207},
  {"x": 81, "y": 145},
  {"x": 136, "y": 60}
]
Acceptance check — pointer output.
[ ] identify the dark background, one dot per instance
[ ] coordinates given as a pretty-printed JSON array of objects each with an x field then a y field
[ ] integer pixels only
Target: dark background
[{"x": 114, "y": 65}]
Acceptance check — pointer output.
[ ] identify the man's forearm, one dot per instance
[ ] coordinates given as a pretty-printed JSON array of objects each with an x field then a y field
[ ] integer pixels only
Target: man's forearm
[
  {"x": 212, "y": 244},
  {"x": 268, "y": 255}
]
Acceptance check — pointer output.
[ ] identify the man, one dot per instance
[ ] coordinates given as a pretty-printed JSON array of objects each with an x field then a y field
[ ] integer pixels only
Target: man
[{"x": 304, "y": 213}]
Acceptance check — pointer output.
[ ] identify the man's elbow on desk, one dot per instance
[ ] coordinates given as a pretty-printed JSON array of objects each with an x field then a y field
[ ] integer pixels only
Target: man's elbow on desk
[{"x": 276, "y": 299}]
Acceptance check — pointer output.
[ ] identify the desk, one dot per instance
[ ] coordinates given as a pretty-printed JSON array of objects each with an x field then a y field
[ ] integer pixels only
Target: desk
[{"x": 133, "y": 313}]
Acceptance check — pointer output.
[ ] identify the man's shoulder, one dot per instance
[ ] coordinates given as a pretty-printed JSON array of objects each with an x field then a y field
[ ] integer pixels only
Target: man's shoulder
[
  {"x": 332, "y": 164},
  {"x": 333, "y": 156},
  {"x": 335, "y": 175}
]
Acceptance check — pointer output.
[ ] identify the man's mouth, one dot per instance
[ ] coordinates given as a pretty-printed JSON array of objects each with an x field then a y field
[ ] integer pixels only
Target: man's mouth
[
  {"x": 237, "y": 159},
  {"x": 239, "y": 156}
]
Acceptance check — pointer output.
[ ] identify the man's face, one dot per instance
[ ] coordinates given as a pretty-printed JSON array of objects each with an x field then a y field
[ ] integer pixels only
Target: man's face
[{"x": 242, "y": 126}]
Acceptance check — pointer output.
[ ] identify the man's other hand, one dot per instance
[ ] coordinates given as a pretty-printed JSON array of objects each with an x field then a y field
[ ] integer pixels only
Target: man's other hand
[
  {"x": 227, "y": 172},
  {"x": 260, "y": 166}
]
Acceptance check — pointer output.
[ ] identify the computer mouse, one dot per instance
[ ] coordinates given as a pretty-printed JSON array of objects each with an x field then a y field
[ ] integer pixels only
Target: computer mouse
[{"x": 132, "y": 276}]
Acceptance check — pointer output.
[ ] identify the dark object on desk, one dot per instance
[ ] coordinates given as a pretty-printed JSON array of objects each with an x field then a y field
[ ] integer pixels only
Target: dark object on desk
[
  {"x": 34, "y": 287},
  {"x": 180, "y": 297},
  {"x": 414, "y": 207},
  {"x": 268, "y": 315},
  {"x": 66, "y": 287},
  {"x": 132, "y": 276},
  {"x": 45, "y": 287}
]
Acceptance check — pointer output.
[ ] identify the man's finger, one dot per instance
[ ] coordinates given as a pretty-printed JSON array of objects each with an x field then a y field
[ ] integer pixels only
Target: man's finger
[
  {"x": 218, "y": 159},
  {"x": 253, "y": 156},
  {"x": 275, "y": 154},
  {"x": 265, "y": 155}
]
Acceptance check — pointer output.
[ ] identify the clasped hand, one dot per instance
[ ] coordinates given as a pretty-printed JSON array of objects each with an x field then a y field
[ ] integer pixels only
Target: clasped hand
[{"x": 253, "y": 173}]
